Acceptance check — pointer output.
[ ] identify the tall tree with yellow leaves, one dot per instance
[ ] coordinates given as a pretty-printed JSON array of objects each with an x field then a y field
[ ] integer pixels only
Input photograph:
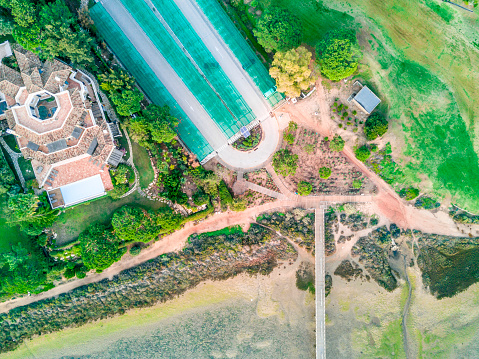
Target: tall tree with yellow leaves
[{"x": 291, "y": 71}]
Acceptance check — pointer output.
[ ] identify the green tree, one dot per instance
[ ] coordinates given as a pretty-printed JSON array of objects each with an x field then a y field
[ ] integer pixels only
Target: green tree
[
  {"x": 336, "y": 144},
  {"x": 338, "y": 54},
  {"x": 139, "y": 131},
  {"x": 376, "y": 126},
  {"x": 116, "y": 80},
  {"x": 285, "y": 163},
  {"x": 161, "y": 123},
  {"x": 324, "y": 172},
  {"x": 278, "y": 30},
  {"x": 208, "y": 180},
  {"x": 6, "y": 26},
  {"x": 304, "y": 188},
  {"x": 291, "y": 71},
  {"x": 7, "y": 178},
  {"x": 135, "y": 250},
  {"x": 99, "y": 247},
  {"x": 24, "y": 12},
  {"x": 200, "y": 197},
  {"x": 362, "y": 153},
  {"x": 127, "y": 102}
]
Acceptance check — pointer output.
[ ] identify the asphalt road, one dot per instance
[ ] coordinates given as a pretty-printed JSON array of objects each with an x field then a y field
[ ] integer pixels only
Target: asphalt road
[{"x": 166, "y": 74}]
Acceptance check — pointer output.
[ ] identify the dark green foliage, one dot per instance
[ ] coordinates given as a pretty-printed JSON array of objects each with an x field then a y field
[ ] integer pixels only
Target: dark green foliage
[
  {"x": 200, "y": 197},
  {"x": 127, "y": 102},
  {"x": 304, "y": 188},
  {"x": 305, "y": 277},
  {"x": 338, "y": 54},
  {"x": 172, "y": 186},
  {"x": 409, "y": 193},
  {"x": 373, "y": 254},
  {"x": 376, "y": 126},
  {"x": 328, "y": 285},
  {"x": 384, "y": 165},
  {"x": 225, "y": 195},
  {"x": 157, "y": 280},
  {"x": 297, "y": 225},
  {"x": 208, "y": 180},
  {"x": 278, "y": 30},
  {"x": 135, "y": 250},
  {"x": 245, "y": 144},
  {"x": 22, "y": 270},
  {"x": 426, "y": 203},
  {"x": 7, "y": 178},
  {"x": 160, "y": 123},
  {"x": 289, "y": 133},
  {"x": 32, "y": 213},
  {"x": 285, "y": 163},
  {"x": 362, "y": 153},
  {"x": 139, "y": 225},
  {"x": 99, "y": 247},
  {"x": 448, "y": 264},
  {"x": 336, "y": 144},
  {"x": 324, "y": 172},
  {"x": 349, "y": 270}
]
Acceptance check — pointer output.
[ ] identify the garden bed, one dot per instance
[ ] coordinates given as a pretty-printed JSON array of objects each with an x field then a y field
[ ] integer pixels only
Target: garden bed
[
  {"x": 250, "y": 143},
  {"x": 314, "y": 153},
  {"x": 262, "y": 178}
]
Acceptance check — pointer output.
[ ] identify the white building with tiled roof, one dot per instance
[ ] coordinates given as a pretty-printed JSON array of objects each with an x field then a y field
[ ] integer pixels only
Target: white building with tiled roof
[{"x": 49, "y": 110}]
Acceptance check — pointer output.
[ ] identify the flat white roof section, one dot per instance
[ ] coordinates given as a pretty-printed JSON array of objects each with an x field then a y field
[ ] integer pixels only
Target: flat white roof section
[
  {"x": 83, "y": 190},
  {"x": 5, "y": 50}
]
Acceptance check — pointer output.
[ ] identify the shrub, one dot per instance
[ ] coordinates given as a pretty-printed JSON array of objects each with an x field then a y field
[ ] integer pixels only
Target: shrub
[
  {"x": 285, "y": 163},
  {"x": 426, "y": 203},
  {"x": 362, "y": 153},
  {"x": 225, "y": 195},
  {"x": 409, "y": 193},
  {"x": 357, "y": 183},
  {"x": 325, "y": 172},
  {"x": 376, "y": 125},
  {"x": 135, "y": 250},
  {"x": 238, "y": 204},
  {"x": 200, "y": 197},
  {"x": 336, "y": 144},
  {"x": 304, "y": 188}
]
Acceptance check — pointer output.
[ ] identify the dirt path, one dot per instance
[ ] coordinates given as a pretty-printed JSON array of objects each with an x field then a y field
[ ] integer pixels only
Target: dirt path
[{"x": 407, "y": 348}]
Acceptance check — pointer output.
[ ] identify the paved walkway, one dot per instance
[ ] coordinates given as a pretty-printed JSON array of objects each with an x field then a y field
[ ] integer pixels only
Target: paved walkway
[
  {"x": 15, "y": 156},
  {"x": 320, "y": 285},
  {"x": 263, "y": 190}
]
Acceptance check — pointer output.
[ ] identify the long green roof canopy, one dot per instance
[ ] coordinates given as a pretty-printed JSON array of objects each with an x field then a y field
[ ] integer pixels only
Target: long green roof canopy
[{"x": 186, "y": 59}]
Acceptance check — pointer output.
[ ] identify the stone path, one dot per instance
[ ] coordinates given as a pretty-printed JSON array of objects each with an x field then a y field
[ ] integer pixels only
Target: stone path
[
  {"x": 260, "y": 189},
  {"x": 15, "y": 156},
  {"x": 320, "y": 285}
]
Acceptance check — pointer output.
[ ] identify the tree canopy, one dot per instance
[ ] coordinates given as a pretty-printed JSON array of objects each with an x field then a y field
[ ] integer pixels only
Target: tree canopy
[
  {"x": 376, "y": 126},
  {"x": 278, "y": 30},
  {"x": 161, "y": 124},
  {"x": 362, "y": 153},
  {"x": 47, "y": 28},
  {"x": 139, "y": 225},
  {"x": 304, "y": 188},
  {"x": 291, "y": 71},
  {"x": 99, "y": 247},
  {"x": 285, "y": 163},
  {"x": 7, "y": 178},
  {"x": 324, "y": 172},
  {"x": 336, "y": 144},
  {"x": 30, "y": 212},
  {"x": 338, "y": 54},
  {"x": 127, "y": 102}
]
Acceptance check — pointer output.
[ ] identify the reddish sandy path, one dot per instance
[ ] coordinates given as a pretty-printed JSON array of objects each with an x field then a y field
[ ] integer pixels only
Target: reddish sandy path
[{"x": 386, "y": 202}]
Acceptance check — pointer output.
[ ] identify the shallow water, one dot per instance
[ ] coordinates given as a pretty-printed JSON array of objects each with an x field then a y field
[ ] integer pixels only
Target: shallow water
[{"x": 231, "y": 329}]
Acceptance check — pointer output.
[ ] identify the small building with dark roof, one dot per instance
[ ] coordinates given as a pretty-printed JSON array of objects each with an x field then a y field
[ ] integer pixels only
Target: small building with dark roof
[{"x": 366, "y": 100}]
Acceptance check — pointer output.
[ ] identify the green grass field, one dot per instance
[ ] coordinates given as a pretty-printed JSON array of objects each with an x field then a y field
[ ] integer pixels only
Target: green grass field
[
  {"x": 143, "y": 165},
  {"x": 76, "y": 219},
  {"x": 422, "y": 57}
]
